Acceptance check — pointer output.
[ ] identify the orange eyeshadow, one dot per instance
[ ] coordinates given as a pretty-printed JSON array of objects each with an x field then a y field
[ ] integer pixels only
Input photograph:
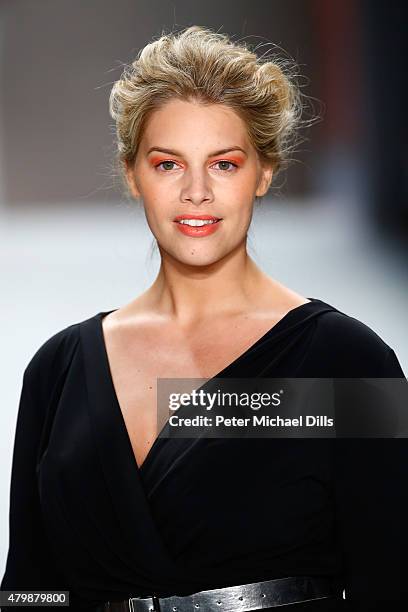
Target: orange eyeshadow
[
  {"x": 157, "y": 160},
  {"x": 236, "y": 160}
]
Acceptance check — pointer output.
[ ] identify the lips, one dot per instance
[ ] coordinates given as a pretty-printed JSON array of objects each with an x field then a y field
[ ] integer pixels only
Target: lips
[
  {"x": 199, "y": 217},
  {"x": 198, "y": 231}
]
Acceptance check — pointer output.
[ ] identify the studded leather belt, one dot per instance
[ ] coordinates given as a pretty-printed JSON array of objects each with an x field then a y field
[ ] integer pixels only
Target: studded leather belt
[{"x": 239, "y": 598}]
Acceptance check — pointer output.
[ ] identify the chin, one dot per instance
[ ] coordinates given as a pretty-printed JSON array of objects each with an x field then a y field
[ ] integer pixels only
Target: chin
[
  {"x": 193, "y": 257},
  {"x": 199, "y": 260}
]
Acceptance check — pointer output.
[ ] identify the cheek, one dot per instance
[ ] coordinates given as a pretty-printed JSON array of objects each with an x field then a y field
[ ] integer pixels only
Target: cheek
[
  {"x": 237, "y": 217},
  {"x": 155, "y": 199}
]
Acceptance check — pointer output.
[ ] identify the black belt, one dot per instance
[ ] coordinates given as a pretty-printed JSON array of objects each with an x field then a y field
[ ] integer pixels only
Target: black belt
[{"x": 239, "y": 598}]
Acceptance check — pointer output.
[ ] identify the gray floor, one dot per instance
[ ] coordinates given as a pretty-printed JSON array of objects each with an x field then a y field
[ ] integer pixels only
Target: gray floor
[{"x": 62, "y": 265}]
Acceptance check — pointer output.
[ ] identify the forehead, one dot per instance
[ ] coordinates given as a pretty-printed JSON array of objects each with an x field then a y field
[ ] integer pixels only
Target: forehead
[{"x": 179, "y": 121}]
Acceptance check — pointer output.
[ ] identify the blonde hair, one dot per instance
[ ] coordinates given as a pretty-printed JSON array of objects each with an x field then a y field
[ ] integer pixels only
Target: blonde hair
[{"x": 198, "y": 64}]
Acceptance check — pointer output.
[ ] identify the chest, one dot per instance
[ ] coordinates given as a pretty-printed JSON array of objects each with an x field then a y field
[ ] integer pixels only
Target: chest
[{"x": 137, "y": 360}]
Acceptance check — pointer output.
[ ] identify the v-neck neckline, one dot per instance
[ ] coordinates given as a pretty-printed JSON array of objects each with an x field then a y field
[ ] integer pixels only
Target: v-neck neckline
[{"x": 107, "y": 370}]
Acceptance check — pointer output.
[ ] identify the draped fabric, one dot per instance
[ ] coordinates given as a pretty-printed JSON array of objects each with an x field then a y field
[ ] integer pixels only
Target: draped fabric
[{"x": 203, "y": 513}]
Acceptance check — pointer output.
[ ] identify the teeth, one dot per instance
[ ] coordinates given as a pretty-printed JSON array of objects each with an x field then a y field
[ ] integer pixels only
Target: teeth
[{"x": 197, "y": 222}]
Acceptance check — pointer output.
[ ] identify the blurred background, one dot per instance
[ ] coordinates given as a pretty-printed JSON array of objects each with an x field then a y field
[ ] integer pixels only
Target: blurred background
[{"x": 335, "y": 225}]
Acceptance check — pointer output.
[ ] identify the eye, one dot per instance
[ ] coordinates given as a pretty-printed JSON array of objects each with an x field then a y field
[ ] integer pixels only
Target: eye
[
  {"x": 164, "y": 165},
  {"x": 225, "y": 161},
  {"x": 166, "y": 161}
]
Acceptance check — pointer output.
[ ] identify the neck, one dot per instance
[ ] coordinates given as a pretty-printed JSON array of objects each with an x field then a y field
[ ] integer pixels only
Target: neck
[{"x": 189, "y": 293}]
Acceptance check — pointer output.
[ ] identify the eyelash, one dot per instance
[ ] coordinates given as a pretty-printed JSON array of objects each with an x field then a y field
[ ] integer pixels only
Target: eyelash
[{"x": 225, "y": 161}]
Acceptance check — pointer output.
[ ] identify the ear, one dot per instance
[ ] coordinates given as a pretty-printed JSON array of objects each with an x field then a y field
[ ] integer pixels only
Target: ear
[
  {"x": 131, "y": 181},
  {"x": 265, "y": 180}
]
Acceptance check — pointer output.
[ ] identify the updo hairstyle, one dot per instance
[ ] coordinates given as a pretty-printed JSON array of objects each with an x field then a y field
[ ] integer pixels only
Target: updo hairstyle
[{"x": 200, "y": 65}]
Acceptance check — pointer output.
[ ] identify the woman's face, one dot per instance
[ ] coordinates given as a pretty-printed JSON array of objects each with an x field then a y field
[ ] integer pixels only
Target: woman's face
[{"x": 197, "y": 161}]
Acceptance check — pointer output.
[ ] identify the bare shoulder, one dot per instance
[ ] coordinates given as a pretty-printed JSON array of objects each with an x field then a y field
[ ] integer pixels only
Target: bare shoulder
[
  {"x": 138, "y": 334},
  {"x": 277, "y": 300},
  {"x": 273, "y": 301},
  {"x": 135, "y": 316}
]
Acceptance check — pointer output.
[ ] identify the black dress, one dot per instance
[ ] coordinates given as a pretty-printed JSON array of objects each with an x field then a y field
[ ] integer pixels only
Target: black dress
[{"x": 204, "y": 513}]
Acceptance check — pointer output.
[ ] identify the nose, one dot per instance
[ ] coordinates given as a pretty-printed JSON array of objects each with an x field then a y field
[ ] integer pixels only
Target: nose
[{"x": 196, "y": 187}]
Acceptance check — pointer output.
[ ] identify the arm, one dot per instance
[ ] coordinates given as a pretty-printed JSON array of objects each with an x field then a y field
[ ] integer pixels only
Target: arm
[
  {"x": 30, "y": 564},
  {"x": 371, "y": 501}
]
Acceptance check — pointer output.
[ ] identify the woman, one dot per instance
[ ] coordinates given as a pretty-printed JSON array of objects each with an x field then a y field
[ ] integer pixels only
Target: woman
[{"x": 105, "y": 508}]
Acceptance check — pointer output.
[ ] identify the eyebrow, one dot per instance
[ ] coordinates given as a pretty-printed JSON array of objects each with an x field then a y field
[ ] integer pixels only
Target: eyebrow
[{"x": 219, "y": 152}]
